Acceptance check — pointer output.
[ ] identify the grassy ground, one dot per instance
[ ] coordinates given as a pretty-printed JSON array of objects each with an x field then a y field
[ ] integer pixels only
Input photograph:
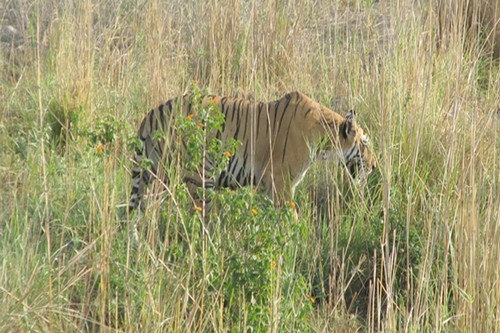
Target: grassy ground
[{"x": 417, "y": 251}]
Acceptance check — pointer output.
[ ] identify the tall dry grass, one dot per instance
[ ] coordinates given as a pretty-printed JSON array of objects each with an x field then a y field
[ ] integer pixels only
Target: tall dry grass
[{"x": 417, "y": 252}]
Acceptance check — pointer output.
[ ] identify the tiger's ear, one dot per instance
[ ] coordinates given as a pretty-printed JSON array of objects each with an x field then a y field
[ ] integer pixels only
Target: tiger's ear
[{"x": 350, "y": 124}]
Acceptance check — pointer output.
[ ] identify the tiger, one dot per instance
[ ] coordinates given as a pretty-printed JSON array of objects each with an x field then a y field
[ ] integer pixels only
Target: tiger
[{"x": 277, "y": 143}]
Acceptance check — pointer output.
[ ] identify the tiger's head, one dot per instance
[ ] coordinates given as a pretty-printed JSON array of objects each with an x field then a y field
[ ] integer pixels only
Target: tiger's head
[
  {"x": 353, "y": 146},
  {"x": 356, "y": 148}
]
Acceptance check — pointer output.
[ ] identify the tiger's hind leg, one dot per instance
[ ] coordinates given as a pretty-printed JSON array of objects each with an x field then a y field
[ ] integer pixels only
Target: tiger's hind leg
[
  {"x": 140, "y": 178},
  {"x": 195, "y": 183},
  {"x": 144, "y": 175}
]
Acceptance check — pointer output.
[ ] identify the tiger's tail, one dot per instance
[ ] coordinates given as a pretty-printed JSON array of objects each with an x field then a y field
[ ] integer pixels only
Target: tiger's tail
[
  {"x": 148, "y": 154},
  {"x": 140, "y": 179}
]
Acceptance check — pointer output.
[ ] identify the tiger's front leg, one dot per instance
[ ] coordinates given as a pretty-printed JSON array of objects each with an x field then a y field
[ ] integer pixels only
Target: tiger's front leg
[{"x": 281, "y": 190}]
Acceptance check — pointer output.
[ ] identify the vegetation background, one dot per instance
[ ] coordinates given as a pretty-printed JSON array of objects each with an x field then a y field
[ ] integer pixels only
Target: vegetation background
[{"x": 417, "y": 251}]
